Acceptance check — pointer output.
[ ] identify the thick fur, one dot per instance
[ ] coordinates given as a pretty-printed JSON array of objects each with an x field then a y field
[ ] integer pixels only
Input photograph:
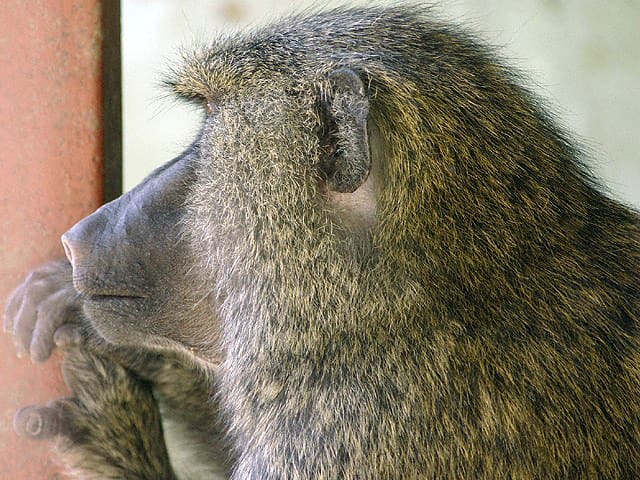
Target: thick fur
[
  {"x": 483, "y": 319},
  {"x": 104, "y": 394},
  {"x": 489, "y": 329}
]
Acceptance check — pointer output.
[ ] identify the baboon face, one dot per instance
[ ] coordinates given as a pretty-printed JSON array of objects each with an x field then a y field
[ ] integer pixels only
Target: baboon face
[
  {"x": 129, "y": 264},
  {"x": 278, "y": 175}
]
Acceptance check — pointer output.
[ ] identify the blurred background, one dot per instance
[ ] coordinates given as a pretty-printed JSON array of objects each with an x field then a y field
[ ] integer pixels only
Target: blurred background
[{"x": 581, "y": 56}]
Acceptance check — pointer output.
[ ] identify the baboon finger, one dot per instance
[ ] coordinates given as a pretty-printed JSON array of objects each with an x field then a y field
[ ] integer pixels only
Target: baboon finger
[
  {"x": 67, "y": 336},
  {"x": 25, "y": 319},
  {"x": 51, "y": 313},
  {"x": 37, "y": 422},
  {"x": 12, "y": 307}
]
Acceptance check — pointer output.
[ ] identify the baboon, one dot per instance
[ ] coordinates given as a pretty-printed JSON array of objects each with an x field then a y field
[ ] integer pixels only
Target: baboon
[{"x": 380, "y": 258}]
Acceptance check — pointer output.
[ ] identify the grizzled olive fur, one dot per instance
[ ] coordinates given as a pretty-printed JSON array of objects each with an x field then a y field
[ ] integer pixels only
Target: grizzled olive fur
[{"x": 380, "y": 258}]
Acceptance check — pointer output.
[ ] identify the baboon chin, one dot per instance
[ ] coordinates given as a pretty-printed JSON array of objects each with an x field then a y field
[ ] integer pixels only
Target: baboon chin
[{"x": 380, "y": 258}]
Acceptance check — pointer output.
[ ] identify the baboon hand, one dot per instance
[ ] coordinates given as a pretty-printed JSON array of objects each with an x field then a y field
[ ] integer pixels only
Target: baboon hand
[
  {"x": 40, "y": 422},
  {"x": 44, "y": 422},
  {"x": 110, "y": 427},
  {"x": 39, "y": 306}
]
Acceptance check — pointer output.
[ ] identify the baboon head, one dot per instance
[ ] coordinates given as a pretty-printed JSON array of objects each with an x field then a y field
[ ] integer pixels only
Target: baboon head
[
  {"x": 281, "y": 179},
  {"x": 344, "y": 170}
]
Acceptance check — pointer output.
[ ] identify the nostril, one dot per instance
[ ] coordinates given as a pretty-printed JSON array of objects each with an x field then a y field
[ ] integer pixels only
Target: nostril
[{"x": 68, "y": 250}]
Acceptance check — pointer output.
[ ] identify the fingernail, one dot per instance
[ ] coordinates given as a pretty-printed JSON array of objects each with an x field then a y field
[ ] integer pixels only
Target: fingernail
[
  {"x": 38, "y": 356},
  {"x": 20, "y": 351},
  {"x": 33, "y": 425}
]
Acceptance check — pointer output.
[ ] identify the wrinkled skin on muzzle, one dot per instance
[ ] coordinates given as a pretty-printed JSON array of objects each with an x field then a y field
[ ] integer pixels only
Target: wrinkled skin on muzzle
[{"x": 129, "y": 265}]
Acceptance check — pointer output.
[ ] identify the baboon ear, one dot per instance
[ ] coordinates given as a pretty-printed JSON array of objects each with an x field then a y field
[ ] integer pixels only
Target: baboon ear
[{"x": 345, "y": 161}]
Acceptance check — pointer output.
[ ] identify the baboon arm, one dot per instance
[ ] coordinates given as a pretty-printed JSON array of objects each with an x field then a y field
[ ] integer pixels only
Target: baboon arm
[{"x": 109, "y": 429}]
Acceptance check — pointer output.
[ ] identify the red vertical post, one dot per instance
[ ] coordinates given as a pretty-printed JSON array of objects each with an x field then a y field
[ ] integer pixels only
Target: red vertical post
[{"x": 51, "y": 175}]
